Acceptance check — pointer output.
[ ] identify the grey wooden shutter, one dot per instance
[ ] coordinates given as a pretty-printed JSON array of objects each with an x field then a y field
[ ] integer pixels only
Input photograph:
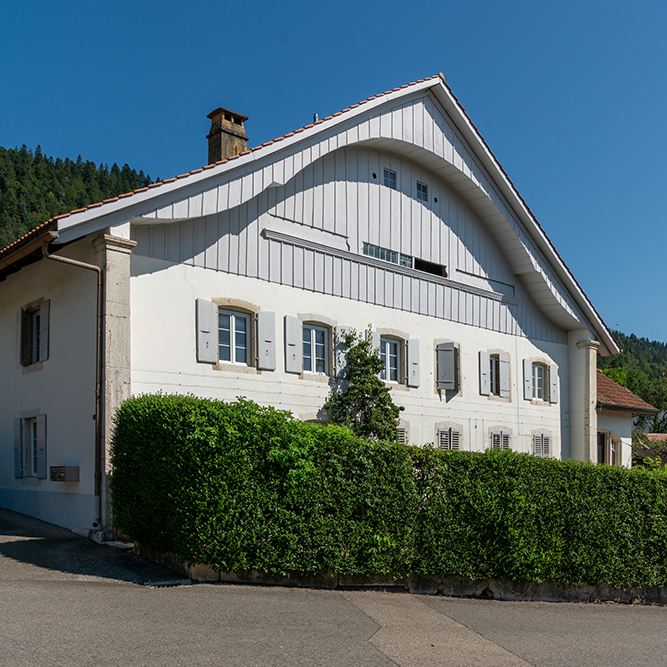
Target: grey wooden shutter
[
  {"x": 443, "y": 438},
  {"x": 527, "y": 379},
  {"x": 41, "y": 446},
  {"x": 553, "y": 383},
  {"x": 44, "y": 311},
  {"x": 412, "y": 348},
  {"x": 546, "y": 446},
  {"x": 340, "y": 351},
  {"x": 403, "y": 435},
  {"x": 537, "y": 445},
  {"x": 293, "y": 345},
  {"x": 446, "y": 357},
  {"x": 266, "y": 341},
  {"x": 484, "y": 369},
  {"x": 495, "y": 440},
  {"x": 505, "y": 438},
  {"x": 18, "y": 447},
  {"x": 26, "y": 338},
  {"x": 455, "y": 439},
  {"x": 207, "y": 332},
  {"x": 504, "y": 368}
]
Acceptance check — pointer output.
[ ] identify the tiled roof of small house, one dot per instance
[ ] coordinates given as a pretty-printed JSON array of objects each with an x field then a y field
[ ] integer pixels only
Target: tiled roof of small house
[
  {"x": 614, "y": 397},
  {"x": 657, "y": 437}
]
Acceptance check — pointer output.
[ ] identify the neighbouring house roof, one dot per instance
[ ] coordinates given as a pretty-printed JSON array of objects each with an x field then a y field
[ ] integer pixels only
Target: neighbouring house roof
[
  {"x": 657, "y": 437},
  {"x": 612, "y": 396},
  {"x": 82, "y": 221}
]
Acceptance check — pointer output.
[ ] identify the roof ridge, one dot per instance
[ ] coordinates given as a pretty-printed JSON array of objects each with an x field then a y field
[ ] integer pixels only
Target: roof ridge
[{"x": 229, "y": 159}]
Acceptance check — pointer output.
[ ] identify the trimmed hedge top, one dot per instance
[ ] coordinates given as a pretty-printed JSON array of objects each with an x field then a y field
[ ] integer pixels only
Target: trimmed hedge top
[{"x": 241, "y": 487}]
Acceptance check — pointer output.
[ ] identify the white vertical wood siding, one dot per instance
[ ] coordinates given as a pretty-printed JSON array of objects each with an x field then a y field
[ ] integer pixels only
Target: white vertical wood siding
[{"x": 338, "y": 194}]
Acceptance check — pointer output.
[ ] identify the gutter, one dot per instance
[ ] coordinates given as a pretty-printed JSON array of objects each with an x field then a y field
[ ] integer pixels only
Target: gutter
[{"x": 98, "y": 368}]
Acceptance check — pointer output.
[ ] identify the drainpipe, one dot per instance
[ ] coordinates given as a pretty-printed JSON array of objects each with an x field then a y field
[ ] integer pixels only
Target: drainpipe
[{"x": 98, "y": 377}]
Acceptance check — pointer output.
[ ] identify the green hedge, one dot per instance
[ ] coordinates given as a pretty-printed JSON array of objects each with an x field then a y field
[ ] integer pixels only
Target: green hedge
[{"x": 243, "y": 487}]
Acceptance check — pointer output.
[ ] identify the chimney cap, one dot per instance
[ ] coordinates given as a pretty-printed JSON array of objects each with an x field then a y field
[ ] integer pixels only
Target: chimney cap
[{"x": 236, "y": 117}]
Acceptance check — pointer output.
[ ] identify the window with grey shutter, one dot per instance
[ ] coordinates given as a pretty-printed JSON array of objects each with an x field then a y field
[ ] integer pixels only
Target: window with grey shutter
[
  {"x": 207, "y": 332},
  {"x": 293, "y": 345},
  {"x": 18, "y": 447},
  {"x": 44, "y": 312},
  {"x": 546, "y": 446},
  {"x": 500, "y": 440},
  {"x": 542, "y": 445},
  {"x": 449, "y": 438},
  {"x": 412, "y": 349},
  {"x": 553, "y": 383},
  {"x": 527, "y": 379},
  {"x": 266, "y": 341},
  {"x": 504, "y": 375},
  {"x": 40, "y": 464},
  {"x": 446, "y": 363},
  {"x": 403, "y": 435},
  {"x": 484, "y": 367},
  {"x": 341, "y": 359}
]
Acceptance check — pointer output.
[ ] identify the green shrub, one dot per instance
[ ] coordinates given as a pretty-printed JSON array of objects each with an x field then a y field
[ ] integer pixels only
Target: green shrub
[{"x": 242, "y": 487}]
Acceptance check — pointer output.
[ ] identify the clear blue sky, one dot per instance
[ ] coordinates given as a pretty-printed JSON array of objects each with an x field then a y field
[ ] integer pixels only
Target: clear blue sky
[{"x": 571, "y": 97}]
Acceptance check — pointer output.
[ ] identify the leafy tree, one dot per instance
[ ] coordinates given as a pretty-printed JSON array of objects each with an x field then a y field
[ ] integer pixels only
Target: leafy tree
[{"x": 363, "y": 402}]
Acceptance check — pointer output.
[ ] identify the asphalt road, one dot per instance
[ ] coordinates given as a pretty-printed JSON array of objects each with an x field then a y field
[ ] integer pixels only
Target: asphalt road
[{"x": 65, "y": 600}]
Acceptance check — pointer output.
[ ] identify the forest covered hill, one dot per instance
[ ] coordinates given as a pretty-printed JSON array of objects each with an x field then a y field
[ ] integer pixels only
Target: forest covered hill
[
  {"x": 642, "y": 368},
  {"x": 35, "y": 188}
]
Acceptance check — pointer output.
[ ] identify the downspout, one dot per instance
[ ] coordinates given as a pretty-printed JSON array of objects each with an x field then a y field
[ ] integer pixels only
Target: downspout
[{"x": 98, "y": 376}]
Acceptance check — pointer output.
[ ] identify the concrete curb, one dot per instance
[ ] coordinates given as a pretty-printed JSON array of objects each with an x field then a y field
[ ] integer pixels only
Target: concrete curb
[{"x": 452, "y": 586}]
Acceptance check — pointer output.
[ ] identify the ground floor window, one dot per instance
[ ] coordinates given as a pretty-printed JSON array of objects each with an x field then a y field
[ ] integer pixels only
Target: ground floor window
[{"x": 233, "y": 336}]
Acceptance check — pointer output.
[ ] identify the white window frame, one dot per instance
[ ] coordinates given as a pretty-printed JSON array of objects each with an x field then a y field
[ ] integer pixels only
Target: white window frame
[
  {"x": 235, "y": 315},
  {"x": 422, "y": 191},
  {"x": 540, "y": 387},
  {"x": 386, "y": 372},
  {"x": 312, "y": 329},
  {"x": 387, "y": 179}
]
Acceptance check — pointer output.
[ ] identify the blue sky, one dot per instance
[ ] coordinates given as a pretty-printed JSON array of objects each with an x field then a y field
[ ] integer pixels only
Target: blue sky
[{"x": 571, "y": 97}]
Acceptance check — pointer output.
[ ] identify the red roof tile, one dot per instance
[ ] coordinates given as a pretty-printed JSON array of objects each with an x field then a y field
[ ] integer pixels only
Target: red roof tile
[
  {"x": 657, "y": 437},
  {"x": 611, "y": 395}
]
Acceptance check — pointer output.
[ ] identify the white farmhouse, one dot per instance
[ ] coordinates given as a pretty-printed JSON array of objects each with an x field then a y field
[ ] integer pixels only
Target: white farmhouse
[{"x": 238, "y": 278}]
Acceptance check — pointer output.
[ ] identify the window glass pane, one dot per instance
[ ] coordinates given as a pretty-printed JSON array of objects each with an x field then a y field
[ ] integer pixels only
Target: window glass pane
[
  {"x": 307, "y": 345},
  {"x": 383, "y": 356},
  {"x": 422, "y": 191},
  {"x": 33, "y": 444},
  {"x": 494, "y": 375},
  {"x": 390, "y": 179},
  {"x": 224, "y": 349},
  {"x": 240, "y": 339},
  {"x": 319, "y": 351},
  {"x": 406, "y": 260},
  {"x": 393, "y": 361}
]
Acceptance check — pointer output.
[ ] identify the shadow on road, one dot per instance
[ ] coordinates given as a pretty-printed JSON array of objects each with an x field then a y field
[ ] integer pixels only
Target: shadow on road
[{"x": 33, "y": 549}]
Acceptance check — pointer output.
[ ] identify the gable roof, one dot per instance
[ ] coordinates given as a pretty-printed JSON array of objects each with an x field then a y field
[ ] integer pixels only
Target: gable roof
[
  {"x": 541, "y": 285},
  {"x": 614, "y": 397}
]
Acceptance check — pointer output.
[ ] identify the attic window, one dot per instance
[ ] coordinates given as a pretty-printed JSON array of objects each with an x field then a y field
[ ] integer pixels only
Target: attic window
[
  {"x": 390, "y": 179},
  {"x": 429, "y": 267},
  {"x": 387, "y": 255},
  {"x": 422, "y": 191}
]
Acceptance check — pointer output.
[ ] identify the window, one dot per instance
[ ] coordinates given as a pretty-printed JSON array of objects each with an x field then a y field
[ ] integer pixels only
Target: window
[
  {"x": 390, "y": 352},
  {"x": 500, "y": 440},
  {"x": 35, "y": 334},
  {"x": 449, "y": 438},
  {"x": 430, "y": 267},
  {"x": 542, "y": 445},
  {"x": 30, "y": 447},
  {"x": 234, "y": 337},
  {"x": 315, "y": 346},
  {"x": 602, "y": 446},
  {"x": 494, "y": 374},
  {"x": 390, "y": 178},
  {"x": 422, "y": 191},
  {"x": 403, "y": 435},
  {"x": 608, "y": 449},
  {"x": 387, "y": 255},
  {"x": 539, "y": 381}
]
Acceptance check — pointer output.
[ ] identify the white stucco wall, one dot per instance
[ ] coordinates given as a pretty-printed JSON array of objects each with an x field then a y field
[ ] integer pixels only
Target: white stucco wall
[
  {"x": 163, "y": 298},
  {"x": 618, "y": 424},
  {"x": 61, "y": 387}
]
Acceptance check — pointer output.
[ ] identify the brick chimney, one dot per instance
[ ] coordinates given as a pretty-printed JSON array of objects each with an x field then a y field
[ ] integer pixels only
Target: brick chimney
[{"x": 227, "y": 136}]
